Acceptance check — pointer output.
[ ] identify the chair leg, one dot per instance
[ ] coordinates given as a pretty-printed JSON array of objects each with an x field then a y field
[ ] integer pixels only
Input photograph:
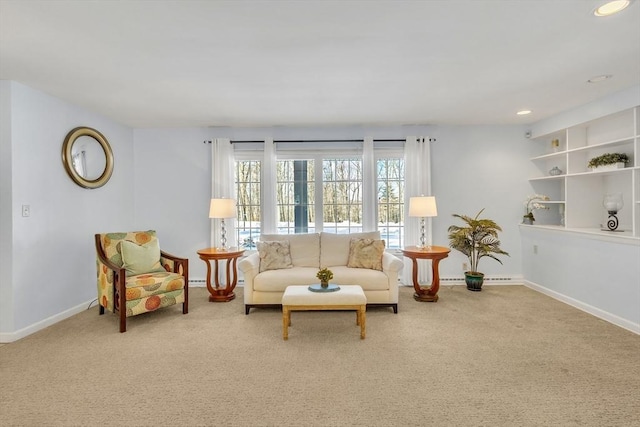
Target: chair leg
[
  {"x": 123, "y": 321},
  {"x": 101, "y": 311},
  {"x": 185, "y": 304}
]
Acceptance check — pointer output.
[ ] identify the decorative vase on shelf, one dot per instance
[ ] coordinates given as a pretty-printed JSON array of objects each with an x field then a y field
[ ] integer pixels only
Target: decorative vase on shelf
[{"x": 555, "y": 171}]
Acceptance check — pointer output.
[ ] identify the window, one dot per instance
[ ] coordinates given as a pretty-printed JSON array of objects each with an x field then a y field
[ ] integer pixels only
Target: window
[
  {"x": 295, "y": 196},
  {"x": 390, "y": 172},
  {"x": 342, "y": 195},
  {"x": 321, "y": 191},
  {"x": 248, "y": 202}
]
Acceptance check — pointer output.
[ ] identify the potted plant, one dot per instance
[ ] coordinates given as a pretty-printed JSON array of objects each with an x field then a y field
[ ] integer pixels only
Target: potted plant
[
  {"x": 324, "y": 275},
  {"x": 609, "y": 161},
  {"x": 532, "y": 203},
  {"x": 477, "y": 239}
]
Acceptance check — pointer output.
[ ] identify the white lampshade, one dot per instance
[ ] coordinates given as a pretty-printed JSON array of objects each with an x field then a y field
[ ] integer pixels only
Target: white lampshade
[
  {"x": 423, "y": 206},
  {"x": 222, "y": 208}
]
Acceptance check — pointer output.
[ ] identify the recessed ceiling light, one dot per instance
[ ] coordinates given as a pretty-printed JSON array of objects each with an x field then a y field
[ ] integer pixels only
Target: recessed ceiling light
[
  {"x": 600, "y": 78},
  {"x": 611, "y": 7},
  {"x": 523, "y": 112}
]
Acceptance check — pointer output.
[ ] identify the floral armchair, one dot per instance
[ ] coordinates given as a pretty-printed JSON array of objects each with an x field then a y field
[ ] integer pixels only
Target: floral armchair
[{"x": 135, "y": 276}]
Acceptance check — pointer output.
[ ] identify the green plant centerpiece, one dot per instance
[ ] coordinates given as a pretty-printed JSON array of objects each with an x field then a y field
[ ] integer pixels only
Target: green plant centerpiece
[
  {"x": 608, "y": 159},
  {"x": 324, "y": 275},
  {"x": 477, "y": 238}
]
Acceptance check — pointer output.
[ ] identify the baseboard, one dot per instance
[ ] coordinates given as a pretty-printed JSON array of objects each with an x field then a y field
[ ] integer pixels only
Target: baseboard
[
  {"x": 7, "y": 337},
  {"x": 594, "y": 311},
  {"x": 515, "y": 279}
]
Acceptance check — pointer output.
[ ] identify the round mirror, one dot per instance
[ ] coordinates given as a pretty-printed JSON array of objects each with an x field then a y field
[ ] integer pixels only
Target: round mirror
[{"x": 87, "y": 157}]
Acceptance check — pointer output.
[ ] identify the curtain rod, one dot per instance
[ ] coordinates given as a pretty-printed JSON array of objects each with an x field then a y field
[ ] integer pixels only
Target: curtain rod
[{"x": 316, "y": 140}]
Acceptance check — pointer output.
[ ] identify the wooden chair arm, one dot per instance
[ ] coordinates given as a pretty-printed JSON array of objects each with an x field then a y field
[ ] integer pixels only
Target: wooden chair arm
[{"x": 104, "y": 260}]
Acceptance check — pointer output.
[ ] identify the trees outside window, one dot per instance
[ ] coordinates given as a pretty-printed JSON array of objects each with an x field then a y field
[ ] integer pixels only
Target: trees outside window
[{"x": 336, "y": 200}]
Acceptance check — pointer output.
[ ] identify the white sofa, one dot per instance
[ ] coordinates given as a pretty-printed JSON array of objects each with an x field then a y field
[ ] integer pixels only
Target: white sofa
[{"x": 309, "y": 253}]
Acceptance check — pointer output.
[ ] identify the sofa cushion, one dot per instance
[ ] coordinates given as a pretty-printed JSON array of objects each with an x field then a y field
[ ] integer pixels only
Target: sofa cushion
[
  {"x": 278, "y": 280},
  {"x": 140, "y": 259},
  {"x": 274, "y": 255},
  {"x": 366, "y": 253},
  {"x": 369, "y": 280},
  {"x": 334, "y": 248},
  {"x": 304, "y": 248}
]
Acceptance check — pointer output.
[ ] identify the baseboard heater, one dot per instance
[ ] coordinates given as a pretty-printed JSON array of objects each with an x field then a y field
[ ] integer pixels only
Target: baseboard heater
[
  {"x": 203, "y": 282},
  {"x": 486, "y": 279}
]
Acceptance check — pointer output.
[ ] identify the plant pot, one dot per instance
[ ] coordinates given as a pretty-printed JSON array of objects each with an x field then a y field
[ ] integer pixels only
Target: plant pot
[
  {"x": 474, "y": 280},
  {"x": 609, "y": 167},
  {"x": 324, "y": 284}
]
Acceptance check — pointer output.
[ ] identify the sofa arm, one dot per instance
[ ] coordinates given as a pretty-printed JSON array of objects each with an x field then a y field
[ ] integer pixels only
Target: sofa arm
[
  {"x": 391, "y": 263},
  {"x": 250, "y": 267}
]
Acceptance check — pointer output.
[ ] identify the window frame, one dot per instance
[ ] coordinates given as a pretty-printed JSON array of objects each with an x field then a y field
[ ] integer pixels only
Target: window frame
[{"x": 318, "y": 156}]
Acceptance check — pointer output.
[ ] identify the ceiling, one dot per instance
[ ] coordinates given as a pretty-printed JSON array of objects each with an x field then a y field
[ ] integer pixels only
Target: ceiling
[{"x": 319, "y": 63}]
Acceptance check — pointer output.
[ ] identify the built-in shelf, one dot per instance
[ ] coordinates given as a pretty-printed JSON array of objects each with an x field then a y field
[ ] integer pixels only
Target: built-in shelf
[
  {"x": 596, "y": 233},
  {"x": 577, "y": 194}
]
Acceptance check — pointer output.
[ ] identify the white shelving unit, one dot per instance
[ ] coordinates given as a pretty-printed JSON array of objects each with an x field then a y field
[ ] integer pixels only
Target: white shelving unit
[{"x": 577, "y": 195}]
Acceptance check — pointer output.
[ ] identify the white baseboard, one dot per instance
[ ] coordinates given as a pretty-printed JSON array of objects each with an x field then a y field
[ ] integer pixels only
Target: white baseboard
[
  {"x": 8, "y": 337},
  {"x": 515, "y": 279},
  {"x": 594, "y": 311}
]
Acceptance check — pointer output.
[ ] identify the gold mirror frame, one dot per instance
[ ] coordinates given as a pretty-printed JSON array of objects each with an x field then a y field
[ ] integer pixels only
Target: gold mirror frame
[{"x": 67, "y": 157}]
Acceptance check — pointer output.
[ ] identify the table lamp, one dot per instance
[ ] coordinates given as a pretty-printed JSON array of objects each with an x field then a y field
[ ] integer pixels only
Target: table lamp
[
  {"x": 222, "y": 208},
  {"x": 613, "y": 203},
  {"x": 422, "y": 207}
]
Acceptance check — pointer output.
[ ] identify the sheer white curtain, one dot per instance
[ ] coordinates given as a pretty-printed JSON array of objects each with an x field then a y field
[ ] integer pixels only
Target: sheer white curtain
[
  {"x": 222, "y": 186},
  {"x": 369, "y": 187},
  {"x": 269, "y": 221},
  {"x": 417, "y": 158}
]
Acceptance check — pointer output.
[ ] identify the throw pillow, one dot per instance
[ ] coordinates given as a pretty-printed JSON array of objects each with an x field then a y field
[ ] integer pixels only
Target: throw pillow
[
  {"x": 366, "y": 253},
  {"x": 274, "y": 255},
  {"x": 140, "y": 259}
]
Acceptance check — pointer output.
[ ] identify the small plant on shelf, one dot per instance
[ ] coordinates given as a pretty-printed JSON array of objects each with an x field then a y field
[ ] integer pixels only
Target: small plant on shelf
[
  {"x": 608, "y": 159},
  {"x": 532, "y": 203}
]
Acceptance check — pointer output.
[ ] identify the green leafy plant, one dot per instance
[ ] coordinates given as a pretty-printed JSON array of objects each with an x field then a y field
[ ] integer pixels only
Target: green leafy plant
[
  {"x": 608, "y": 159},
  {"x": 477, "y": 239},
  {"x": 325, "y": 275}
]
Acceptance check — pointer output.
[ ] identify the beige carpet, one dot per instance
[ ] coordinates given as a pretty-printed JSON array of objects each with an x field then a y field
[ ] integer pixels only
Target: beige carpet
[{"x": 506, "y": 356}]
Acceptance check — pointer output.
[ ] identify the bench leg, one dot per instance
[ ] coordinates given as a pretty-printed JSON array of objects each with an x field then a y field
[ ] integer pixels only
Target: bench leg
[
  {"x": 362, "y": 315},
  {"x": 286, "y": 321}
]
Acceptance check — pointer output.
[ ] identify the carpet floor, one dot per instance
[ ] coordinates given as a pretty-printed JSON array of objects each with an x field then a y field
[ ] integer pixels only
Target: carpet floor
[{"x": 506, "y": 356}]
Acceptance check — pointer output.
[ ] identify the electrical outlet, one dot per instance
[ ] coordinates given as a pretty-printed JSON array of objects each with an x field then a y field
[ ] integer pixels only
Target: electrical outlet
[
  {"x": 535, "y": 249},
  {"x": 465, "y": 266},
  {"x": 26, "y": 210}
]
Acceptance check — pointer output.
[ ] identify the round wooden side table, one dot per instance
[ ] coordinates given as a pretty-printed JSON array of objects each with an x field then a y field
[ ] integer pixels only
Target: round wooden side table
[
  {"x": 435, "y": 254},
  {"x": 231, "y": 255}
]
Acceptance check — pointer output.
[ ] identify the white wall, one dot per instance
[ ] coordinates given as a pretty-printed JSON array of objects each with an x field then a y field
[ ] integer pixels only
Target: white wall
[
  {"x": 588, "y": 272},
  {"x": 473, "y": 167},
  {"x": 476, "y": 167},
  {"x": 6, "y": 220},
  {"x": 52, "y": 254},
  {"x": 173, "y": 189}
]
